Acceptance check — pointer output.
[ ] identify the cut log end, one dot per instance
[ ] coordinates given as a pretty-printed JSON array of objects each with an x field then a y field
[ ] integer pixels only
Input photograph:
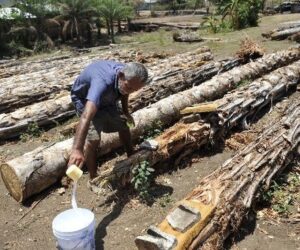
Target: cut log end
[{"x": 11, "y": 181}]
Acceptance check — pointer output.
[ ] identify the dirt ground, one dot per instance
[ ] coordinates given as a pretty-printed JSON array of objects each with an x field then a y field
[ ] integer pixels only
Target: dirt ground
[{"x": 120, "y": 219}]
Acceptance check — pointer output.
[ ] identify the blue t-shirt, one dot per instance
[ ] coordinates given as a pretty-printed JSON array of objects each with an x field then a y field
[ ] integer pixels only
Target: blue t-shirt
[{"x": 98, "y": 83}]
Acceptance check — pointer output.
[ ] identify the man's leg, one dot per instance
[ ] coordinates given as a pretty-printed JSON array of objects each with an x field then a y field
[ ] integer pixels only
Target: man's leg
[
  {"x": 125, "y": 138},
  {"x": 91, "y": 148}
]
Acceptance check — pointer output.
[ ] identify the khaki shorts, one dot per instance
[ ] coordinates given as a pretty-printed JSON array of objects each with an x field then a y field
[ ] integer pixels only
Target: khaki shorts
[{"x": 108, "y": 119}]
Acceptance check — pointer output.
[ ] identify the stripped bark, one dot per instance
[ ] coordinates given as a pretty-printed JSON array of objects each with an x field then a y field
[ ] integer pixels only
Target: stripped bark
[
  {"x": 222, "y": 199},
  {"x": 234, "y": 109},
  {"x": 166, "y": 110}
]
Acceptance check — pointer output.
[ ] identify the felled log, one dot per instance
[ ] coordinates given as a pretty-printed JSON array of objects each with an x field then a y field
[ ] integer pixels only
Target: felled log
[
  {"x": 44, "y": 113},
  {"x": 42, "y": 85},
  {"x": 35, "y": 164},
  {"x": 186, "y": 37},
  {"x": 141, "y": 25},
  {"x": 173, "y": 82},
  {"x": 281, "y": 27},
  {"x": 233, "y": 109},
  {"x": 214, "y": 209},
  {"x": 13, "y": 67},
  {"x": 280, "y": 35},
  {"x": 288, "y": 25}
]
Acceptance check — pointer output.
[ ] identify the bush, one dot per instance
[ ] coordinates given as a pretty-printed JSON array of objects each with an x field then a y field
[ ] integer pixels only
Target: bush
[{"x": 242, "y": 13}]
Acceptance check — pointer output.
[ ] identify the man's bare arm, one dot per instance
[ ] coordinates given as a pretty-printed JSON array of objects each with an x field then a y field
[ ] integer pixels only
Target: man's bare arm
[
  {"x": 83, "y": 126},
  {"x": 76, "y": 156}
]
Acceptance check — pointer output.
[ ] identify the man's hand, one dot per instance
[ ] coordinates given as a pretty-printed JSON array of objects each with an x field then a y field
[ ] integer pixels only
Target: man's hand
[
  {"x": 76, "y": 158},
  {"x": 130, "y": 120}
]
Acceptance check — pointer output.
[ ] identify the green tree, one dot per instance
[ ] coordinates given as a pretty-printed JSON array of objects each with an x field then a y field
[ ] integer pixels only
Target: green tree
[
  {"x": 111, "y": 11},
  {"x": 34, "y": 15},
  {"x": 74, "y": 12},
  {"x": 242, "y": 13}
]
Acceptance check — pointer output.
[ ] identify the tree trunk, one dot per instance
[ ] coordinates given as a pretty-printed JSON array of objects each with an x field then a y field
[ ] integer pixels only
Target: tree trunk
[
  {"x": 217, "y": 206},
  {"x": 112, "y": 33},
  {"x": 108, "y": 27},
  {"x": 129, "y": 23},
  {"x": 166, "y": 111},
  {"x": 13, "y": 68},
  {"x": 288, "y": 25},
  {"x": 44, "y": 113},
  {"x": 78, "y": 35},
  {"x": 178, "y": 81},
  {"x": 280, "y": 35},
  {"x": 119, "y": 26},
  {"x": 187, "y": 37},
  {"x": 233, "y": 109},
  {"x": 171, "y": 25},
  {"x": 43, "y": 168}
]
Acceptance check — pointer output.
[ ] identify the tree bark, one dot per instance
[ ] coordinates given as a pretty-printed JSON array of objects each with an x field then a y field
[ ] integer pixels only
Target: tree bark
[
  {"x": 234, "y": 109},
  {"x": 288, "y": 25},
  {"x": 187, "y": 37},
  {"x": 217, "y": 206},
  {"x": 166, "y": 111},
  {"x": 280, "y": 35},
  {"x": 44, "y": 113},
  {"x": 13, "y": 68}
]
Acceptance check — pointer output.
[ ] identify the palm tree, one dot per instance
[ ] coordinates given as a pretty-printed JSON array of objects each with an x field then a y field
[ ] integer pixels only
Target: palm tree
[
  {"x": 39, "y": 9},
  {"x": 242, "y": 12},
  {"x": 74, "y": 12},
  {"x": 231, "y": 8},
  {"x": 112, "y": 10}
]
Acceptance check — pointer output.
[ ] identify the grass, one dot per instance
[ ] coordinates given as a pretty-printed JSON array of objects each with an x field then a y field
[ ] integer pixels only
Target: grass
[
  {"x": 161, "y": 40},
  {"x": 33, "y": 130},
  {"x": 284, "y": 193}
]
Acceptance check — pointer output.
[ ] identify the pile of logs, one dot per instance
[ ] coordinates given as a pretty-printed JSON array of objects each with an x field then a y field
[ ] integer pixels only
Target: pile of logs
[
  {"x": 235, "y": 108},
  {"x": 34, "y": 171},
  {"x": 214, "y": 209},
  {"x": 284, "y": 31},
  {"x": 60, "y": 106},
  {"x": 48, "y": 78}
]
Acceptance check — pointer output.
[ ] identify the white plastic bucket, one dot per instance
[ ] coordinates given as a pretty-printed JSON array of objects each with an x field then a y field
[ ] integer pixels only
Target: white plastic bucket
[{"x": 75, "y": 229}]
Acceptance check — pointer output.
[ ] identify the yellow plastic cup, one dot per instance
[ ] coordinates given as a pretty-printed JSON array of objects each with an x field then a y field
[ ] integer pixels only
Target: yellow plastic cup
[
  {"x": 74, "y": 172},
  {"x": 130, "y": 125}
]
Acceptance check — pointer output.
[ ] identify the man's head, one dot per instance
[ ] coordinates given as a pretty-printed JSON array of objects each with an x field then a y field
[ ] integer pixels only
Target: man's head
[{"x": 132, "y": 77}]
